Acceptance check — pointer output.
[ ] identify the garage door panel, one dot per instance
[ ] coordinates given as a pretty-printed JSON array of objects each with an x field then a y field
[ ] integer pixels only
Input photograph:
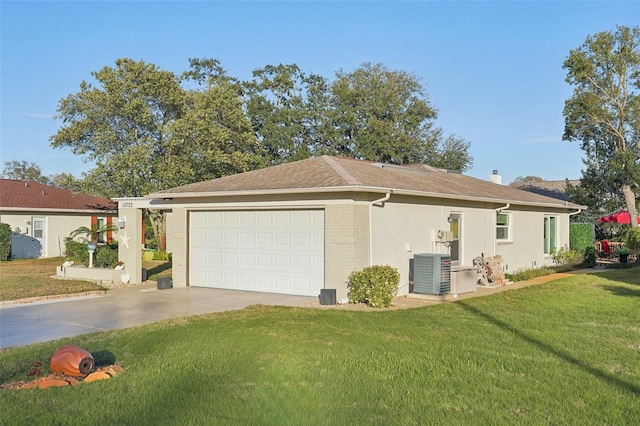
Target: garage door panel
[
  {"x": 273, "y": 251},
  {"x": 247, "y": 239},
  {"x": 301, "y": 262},
  {"x": 247, "y": 259}
]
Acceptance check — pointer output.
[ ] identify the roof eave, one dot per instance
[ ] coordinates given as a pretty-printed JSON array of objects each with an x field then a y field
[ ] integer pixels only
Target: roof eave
[
  {"x": 50, "y": 210},
  {"x": 357, "y": 188}
]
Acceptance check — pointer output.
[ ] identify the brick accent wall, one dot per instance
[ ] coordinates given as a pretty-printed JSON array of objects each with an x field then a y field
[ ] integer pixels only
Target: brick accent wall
[
  {"x": 177, "y": 245},
  {"x": 346, "y": 243}
]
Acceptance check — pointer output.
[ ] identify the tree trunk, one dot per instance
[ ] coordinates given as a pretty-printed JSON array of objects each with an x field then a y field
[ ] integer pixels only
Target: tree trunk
[
  {"x": 630, "y": 199},
  {"x": 159, "y": 226}
]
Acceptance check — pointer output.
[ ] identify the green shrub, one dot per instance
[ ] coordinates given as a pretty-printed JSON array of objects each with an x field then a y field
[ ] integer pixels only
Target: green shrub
[
  {"x": 581, "y": 236},
  {"x": 5, "y": 241},
  {"x": 161, "y": 255},
  {"x": 589, "y": 257},
  {"x": 375, "y": 285},
  {"x": 76, "y": 251},
  {"x": 632, "y": 240},
  {"x": 563, "y": 256},
  {"x": 105, "y": 257},
  {"x": 528, "y": 274}
]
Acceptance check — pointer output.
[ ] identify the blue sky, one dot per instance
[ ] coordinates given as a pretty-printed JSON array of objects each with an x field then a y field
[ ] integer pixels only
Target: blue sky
[{"x": 492, "y": 69}]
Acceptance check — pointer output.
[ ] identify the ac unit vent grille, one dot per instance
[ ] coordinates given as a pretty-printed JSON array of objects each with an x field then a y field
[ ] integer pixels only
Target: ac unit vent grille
[{"x": 432, "y": 273}]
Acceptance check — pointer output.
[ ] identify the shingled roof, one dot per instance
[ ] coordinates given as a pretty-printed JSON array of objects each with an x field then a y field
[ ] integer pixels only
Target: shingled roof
[
  {"x": 16, "y": 195},
  {"x": 550, "y": 188},
  {"x": 333, "y": 174}
]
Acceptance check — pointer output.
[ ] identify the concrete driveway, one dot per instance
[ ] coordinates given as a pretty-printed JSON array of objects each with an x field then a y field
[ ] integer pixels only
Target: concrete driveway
[{"x": 23, "y": 324}]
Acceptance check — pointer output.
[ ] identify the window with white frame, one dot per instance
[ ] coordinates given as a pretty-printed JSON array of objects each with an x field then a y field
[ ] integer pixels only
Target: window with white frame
[
  {"x": 550, "y": 234},
  {"x": 503, "y": 226}
]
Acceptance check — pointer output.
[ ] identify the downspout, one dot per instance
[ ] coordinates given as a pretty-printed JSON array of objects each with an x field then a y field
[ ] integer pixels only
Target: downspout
[
  {"x": 379, "y": 203},
  {"x": 495, "y": 237}
]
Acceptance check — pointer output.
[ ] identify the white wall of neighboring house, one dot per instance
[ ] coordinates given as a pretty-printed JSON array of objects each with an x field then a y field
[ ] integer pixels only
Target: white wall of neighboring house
[{"x": 27, "y": 243}]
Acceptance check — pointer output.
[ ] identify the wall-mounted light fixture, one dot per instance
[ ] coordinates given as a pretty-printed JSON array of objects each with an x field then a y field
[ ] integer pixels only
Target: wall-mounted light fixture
[{"x": 121, "y": 222}]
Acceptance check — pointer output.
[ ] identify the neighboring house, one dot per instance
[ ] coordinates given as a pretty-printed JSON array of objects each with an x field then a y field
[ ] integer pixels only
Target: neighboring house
[
  {"x": 304, "y": 226},
  {"x": 549, "y": 188},
  {"x": 42, "y": 216}
]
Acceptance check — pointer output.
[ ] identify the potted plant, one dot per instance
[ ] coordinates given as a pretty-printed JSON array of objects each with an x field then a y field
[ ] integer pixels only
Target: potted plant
[
  {"x": 119, "y": 266},
  {"x": 623, "y": 254},
  {"x": 147, "y": 255}
]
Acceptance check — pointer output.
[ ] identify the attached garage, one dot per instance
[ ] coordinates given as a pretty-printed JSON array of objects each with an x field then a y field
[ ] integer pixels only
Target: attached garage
[{"x": 274, "y": 251}]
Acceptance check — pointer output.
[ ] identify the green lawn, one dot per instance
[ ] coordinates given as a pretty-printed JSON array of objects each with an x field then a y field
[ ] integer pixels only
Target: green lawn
[
  {"x": 565, "y": 352},
  {"x": 25, "y": 278}
]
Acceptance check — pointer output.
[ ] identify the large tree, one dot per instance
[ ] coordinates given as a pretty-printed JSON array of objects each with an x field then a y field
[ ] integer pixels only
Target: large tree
[
  {"x": 372, "y": 113},
  {"x": 146, "y": 132},
  {"x": 288, "y": 110},
  {"x": 385, "y": 115},
  {"x": 603, "y": 113}
]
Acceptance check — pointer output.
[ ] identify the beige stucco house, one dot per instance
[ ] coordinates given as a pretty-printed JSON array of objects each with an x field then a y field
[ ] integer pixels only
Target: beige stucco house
[
  {"x": 42, "y": 216},
  {"x": 301, "y": 227}
]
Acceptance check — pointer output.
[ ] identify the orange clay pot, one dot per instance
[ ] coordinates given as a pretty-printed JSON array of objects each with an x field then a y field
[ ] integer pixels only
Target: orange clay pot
[{"x": 72, "y": 360}]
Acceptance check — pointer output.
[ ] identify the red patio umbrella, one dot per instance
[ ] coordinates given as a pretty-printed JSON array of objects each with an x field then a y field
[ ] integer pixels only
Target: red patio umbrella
[{"x": 621, "y": 217}]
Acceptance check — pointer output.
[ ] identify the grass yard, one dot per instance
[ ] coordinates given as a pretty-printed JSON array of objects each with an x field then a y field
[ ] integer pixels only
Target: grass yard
[
  {"x": 564, "y": 352},
  {"x": 23, "y": 278}
]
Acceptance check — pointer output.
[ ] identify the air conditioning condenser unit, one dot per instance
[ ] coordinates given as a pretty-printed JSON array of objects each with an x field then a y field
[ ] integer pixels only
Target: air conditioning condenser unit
[{"x": 432, "y": 273}]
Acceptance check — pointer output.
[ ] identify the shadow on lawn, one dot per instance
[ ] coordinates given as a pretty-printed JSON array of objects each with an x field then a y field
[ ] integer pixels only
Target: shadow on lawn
[
  {"x": 607, "y": 377},
  {"x": 157, "y": 269},
  {"x": 623, "y": 291}
]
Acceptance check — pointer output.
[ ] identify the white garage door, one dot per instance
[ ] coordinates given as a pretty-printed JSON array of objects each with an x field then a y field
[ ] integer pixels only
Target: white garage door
[{"x": 275, "y": 251}]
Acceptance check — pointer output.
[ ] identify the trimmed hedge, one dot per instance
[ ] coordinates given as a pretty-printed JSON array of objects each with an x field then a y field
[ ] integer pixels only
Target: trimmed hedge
[
  {"x": 581, "y": 236},
  {"x": 375, "y": 285},
  {"x": 5, "y": 241}
]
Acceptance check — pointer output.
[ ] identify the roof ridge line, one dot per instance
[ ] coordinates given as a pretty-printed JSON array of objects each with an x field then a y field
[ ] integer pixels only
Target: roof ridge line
[{"x": 331, "y": 161}]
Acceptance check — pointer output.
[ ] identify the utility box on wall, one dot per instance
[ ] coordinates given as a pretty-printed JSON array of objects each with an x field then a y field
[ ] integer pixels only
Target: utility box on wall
[{"x": 432, "y": 273}]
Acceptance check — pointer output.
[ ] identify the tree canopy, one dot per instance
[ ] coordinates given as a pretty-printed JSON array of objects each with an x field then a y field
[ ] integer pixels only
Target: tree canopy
[
  {"x": 371, "y": 113},
  {"x": 603, "y": 114},
  {"x": 23, "y": 170},
  {"x": 148, "y": 129},
  {"x": 30, "y": 171},
  {"x": 146, "y": 132},
  {"x": 526, "y": 180}
]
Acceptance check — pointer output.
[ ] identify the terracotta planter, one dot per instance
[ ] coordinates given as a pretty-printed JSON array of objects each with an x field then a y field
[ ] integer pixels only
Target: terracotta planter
[{"x": 72, "y": 360}]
